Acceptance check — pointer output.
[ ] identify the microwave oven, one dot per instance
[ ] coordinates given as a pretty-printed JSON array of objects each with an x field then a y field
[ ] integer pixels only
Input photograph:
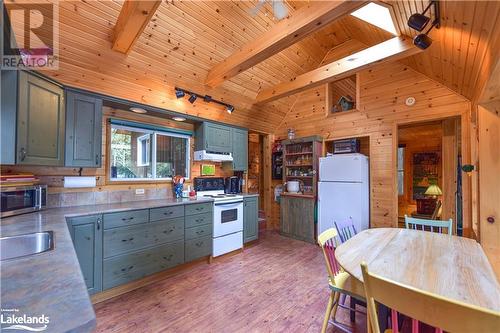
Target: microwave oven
[{"x": 23, "y": 199}]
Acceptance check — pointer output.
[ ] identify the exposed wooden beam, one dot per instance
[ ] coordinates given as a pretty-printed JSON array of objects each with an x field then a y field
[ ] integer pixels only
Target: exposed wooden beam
[
  {"x": 393, "y": 49},
  {"x": 289, "y": 31},
  {"x": 133, "y": 18}
]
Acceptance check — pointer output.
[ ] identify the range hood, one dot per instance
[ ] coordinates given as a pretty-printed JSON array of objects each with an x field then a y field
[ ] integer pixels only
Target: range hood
[{"x": 204, "y": 155}]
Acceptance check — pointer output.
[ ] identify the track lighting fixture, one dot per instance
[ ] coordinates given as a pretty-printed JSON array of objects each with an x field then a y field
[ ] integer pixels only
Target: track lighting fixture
[
  {"x": 420, "y": 21},
  {"x": 179, "y": 93}
]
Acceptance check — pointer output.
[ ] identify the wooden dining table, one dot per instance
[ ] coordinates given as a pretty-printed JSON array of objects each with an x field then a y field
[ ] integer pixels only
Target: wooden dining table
[{"x": 449, "y": 266}]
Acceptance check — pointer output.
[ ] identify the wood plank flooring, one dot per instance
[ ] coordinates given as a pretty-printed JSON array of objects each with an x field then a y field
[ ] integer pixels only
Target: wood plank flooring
[{"x": 276, "y": 285}]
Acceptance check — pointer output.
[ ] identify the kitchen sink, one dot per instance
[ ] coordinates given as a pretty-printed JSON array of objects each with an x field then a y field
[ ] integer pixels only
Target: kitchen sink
[{"x": 12, "y": 247}]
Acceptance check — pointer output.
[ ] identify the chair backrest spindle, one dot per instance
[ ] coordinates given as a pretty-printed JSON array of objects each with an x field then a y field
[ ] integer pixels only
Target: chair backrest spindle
[{"x": 433, "y": 225}]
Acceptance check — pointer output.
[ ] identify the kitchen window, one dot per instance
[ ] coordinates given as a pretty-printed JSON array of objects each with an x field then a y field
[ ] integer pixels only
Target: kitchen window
[
  {"x": 139, "y": 153},
  {"x": 401, "y": 170}
]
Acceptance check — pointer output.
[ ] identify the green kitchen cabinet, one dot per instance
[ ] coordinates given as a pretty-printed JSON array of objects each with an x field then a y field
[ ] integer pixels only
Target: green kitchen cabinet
[
  {"x": 8, "y": 114},
  {"x": 214, "y": 137},
  {"x": 83, "y": 130},
  {"x": 250, "y": 219},
  {"x": 86, "y": 233},
  {"x": 240, "y": 149},
  {"x": 40, "y": 121}
]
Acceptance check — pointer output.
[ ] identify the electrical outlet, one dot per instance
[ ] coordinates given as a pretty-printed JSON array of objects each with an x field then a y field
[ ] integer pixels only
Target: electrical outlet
[{"x": 139, "y": 191}]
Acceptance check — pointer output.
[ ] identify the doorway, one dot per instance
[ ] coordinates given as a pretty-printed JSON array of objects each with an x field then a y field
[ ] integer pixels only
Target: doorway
[
  {"x": 428, "y": 171},
  {"x": 255, "y": 179}
]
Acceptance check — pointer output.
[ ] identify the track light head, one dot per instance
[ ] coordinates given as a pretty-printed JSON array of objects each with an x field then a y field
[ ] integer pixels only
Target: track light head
[
  {"x": 229, "y": 109},
  {"x": 418, "y": 21},
  {"x": 207, "y": 98},
  {"x": 192, "y": 98},
  {"x": 422, "y": 41},
  {"x": 179, "y": 93}
]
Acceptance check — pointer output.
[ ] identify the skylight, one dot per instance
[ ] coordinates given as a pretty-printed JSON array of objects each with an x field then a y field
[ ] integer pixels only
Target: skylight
[{"x": 377, "y": 15}]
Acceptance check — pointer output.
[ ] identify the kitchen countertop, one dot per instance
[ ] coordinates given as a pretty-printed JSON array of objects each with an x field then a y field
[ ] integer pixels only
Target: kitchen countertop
[
  {"x": 249, "y": 194},
  {"x": 51, "y": 283}
]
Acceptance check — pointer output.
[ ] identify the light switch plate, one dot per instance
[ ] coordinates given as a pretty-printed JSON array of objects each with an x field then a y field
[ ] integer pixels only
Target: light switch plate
[{"x": 139, "y": 191}]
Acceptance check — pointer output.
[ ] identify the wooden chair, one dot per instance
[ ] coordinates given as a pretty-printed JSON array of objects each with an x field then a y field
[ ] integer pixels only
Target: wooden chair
[
  {"x": 447, "y": 314},
  {"x": 345, "y": 229},
  {"x": 415, "y": 223},
  {"x": 340, "y": 282}
]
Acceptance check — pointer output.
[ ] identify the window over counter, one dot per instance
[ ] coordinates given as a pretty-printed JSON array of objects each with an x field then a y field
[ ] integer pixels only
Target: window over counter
[{"x": 138, "y": 153}]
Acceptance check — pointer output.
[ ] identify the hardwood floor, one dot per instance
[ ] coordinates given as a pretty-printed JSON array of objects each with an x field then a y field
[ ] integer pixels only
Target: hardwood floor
[{"x": 276, "y": 285}]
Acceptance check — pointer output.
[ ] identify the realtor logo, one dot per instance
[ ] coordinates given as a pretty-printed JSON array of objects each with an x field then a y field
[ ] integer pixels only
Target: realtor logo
[
  {"x": 30, "y": 35},
  {"x": 12, "y": 319}
]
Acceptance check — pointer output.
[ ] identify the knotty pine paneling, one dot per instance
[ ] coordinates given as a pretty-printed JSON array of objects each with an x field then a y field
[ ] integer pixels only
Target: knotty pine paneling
[
  {"x": 383, "y": 91},
  {"x": 53, "y": 176}
]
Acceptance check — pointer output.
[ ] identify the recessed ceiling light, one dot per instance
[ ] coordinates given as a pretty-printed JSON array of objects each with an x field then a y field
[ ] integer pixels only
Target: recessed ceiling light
[
  {"x": 179, "y": 118},
  {"x": 138, "y": 110},
  {"x": 377, "y": 15}
]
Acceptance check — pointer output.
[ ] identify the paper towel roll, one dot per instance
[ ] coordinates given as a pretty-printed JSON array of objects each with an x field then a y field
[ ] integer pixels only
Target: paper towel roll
[{"x": 79, "y": 182}]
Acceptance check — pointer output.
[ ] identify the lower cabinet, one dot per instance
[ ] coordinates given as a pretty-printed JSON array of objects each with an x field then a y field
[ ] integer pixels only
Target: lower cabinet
[
  {"x": 86, "y": 233},
  {"x": 120, "y": 247},
  {"x": 198, "y": 232},
  {"x": 250, "y": 219},
  {"x": 135, "y": 265},
  {"x": 297, "y": 217}
]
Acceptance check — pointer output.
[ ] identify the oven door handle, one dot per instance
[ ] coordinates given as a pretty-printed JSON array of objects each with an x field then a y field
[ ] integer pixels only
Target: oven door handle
[{"x": 229, "y": 205}]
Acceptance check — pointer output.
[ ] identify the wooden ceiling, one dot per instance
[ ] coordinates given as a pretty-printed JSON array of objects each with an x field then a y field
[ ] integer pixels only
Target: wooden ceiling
[{"x": 185, "y": 39}]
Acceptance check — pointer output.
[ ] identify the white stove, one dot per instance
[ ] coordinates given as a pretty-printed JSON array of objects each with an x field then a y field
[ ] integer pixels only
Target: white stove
[{"x": 228, "y": 215}]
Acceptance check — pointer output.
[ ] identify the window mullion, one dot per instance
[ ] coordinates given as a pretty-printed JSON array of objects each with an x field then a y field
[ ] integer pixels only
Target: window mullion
[{"x": 153, "y": 156}]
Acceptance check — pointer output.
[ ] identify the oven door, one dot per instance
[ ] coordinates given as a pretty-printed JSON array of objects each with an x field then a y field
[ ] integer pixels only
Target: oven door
[
  {"x": 18, "y": 200},
  {"x": 228, "y": 218}
]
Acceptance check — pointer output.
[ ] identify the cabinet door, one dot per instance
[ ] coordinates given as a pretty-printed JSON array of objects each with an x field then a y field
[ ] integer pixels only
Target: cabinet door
[
  {"x": 83, "y": 130},
  {"x": 40, "y": 122},
  {"x": 86, "y": 233},
  {"x": 218, "y": 138},
  {"x": 8, "y": 111},
  {"x": 240, "y": 149},
  {"x": 250, "y": 219}
]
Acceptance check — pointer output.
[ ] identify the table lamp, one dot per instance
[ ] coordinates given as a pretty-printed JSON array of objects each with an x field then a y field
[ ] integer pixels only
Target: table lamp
[{"x": 433, "y": 191}]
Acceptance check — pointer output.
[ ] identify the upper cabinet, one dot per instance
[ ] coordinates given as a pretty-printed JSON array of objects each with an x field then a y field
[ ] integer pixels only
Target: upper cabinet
[
  {"x": 214, "y": 138},
  {"x": 40, "y": 121},
  {"x": 224, "y": 139},
  {"x": 83, "y": 130},
  {"x": 240, "y": 149},
  {"x": 8, "y": 111}
]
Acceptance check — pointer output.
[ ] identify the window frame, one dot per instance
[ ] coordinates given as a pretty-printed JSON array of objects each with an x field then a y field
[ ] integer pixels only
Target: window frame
[
  {"x": 402, "y": 170},
  {"x": 153, "y": 134}
]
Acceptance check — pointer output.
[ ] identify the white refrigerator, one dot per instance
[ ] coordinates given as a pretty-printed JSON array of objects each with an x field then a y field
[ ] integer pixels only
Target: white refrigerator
[{"x": 343, "y": 191}]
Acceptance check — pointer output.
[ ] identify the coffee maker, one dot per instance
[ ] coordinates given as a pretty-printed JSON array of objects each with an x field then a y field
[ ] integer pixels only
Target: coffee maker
[{"x": 233, "y": 185}]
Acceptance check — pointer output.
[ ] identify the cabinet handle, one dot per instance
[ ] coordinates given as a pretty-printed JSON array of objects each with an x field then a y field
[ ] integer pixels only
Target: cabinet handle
[
  {"x": 168, "y": 231},
  {"x": 128, "y": 219},
  {"x": 199, "y": 208},
  {"x": 199, "y": 232},
  {"x": 96, "y": 159},
  {"x": 23, "y": 154},
  {"x": 99, "y": 223},
  {"x": 169, "y": 257},
  {"x": 128, "y": 240},
  {"x": 199, "y": 244},
  {"x": 168, "y": 213}
]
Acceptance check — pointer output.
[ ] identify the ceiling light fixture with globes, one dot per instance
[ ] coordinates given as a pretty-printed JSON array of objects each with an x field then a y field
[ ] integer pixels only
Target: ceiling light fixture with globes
[{"x": 180, "y": 93}]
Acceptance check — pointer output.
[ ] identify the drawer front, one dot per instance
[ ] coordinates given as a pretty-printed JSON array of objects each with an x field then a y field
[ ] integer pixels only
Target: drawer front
[
  {"x": 128, "y": 267},
  {"x": 199, "y": 208},
  {"x": 197, "y": 232},
  {"x": 198, "y": 220},
  {"x": 121, "y": 240},
  {"x": 163, "y": 213},
  {"x": 122, "y": 219},
  {"x": 197, "y": 248}
]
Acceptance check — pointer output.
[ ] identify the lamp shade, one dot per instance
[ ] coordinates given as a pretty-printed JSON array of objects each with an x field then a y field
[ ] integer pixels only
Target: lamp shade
[{"x": 433, "y": 190}]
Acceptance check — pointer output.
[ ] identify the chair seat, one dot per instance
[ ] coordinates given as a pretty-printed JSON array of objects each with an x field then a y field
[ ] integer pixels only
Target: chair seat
[{"x": 349, "y": 285}]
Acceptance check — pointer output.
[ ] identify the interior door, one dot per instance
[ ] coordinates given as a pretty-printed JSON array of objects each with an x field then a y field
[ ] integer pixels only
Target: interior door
[{"x": 489, "y": 184}]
